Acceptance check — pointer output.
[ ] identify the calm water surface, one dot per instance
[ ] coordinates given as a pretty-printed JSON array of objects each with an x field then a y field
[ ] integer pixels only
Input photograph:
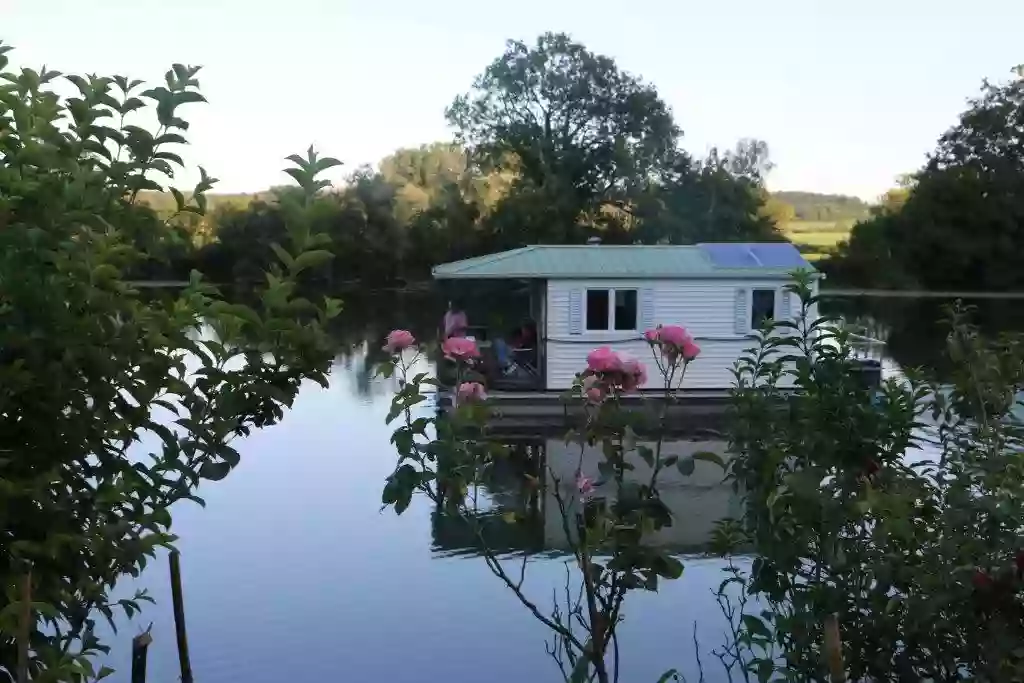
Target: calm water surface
[{"x": 292, "y": 571}]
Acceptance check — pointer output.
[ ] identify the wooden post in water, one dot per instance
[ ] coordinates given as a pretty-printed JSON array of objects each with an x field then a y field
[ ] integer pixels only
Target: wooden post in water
[
  {"x": 179, "y": 617},
  {"x": 25, "y": 625},
  {"x": 140, "y": 650}
]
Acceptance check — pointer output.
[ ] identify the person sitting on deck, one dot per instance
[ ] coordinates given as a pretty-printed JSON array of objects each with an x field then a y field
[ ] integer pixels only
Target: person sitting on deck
[
  {"x": 523, "y": 339},
  {"x": 455, "y": 322}
]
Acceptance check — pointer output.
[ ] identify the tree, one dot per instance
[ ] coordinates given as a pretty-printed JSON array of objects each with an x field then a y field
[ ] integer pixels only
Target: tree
[
  {"x": 569, "y": 122},
  {"x": 113, "y": 404},
  {"x": 962, "y": 224},
  {"x": 778, "y": 211},
  {"x": 719, "y": 198}
]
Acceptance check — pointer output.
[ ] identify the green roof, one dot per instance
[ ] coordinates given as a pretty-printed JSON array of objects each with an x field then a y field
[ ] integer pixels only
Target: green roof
[{"x": 556, "y": 262}]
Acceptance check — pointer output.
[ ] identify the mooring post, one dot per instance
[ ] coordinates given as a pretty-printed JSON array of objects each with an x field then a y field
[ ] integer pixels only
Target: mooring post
[
  {"x": 179, "y": 617},
  {"x": 25, "y": 625},
  {"x": 140, "y": 650}
]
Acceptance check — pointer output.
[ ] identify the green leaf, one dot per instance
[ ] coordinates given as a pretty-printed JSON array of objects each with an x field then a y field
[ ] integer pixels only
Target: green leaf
[
  {"x": 686, "y": 466},
  {"x": 214, "y": 471},
  {"x": 311, "y": 259},
  {"x": 765, "y": 669},
  {"x": 755, "y": 626},
  {"x": 670, "y": 675},
  {"x": 179, "y": 198},
  {"x": 668, "y": 566},
  {"x": 709, "y": 456},
  {"x": 188, "y": 96},
  {"x": 647, "y": 454},
  {"x": 170, "y": 139},
  {"x": 326, "y": 163},
  {"x": 287, "y": 259}
]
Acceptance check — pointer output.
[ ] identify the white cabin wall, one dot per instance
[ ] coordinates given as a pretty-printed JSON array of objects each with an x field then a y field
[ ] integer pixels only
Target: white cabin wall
[{"x": 706, "y": 307}]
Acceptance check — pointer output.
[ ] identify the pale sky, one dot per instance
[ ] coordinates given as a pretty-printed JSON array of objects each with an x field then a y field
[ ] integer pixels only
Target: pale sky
[{"x": 847, "y": 93}]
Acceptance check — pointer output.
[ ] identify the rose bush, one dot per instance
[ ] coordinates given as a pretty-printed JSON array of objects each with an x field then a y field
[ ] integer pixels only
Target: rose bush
[{"x": 607, "y": 522}]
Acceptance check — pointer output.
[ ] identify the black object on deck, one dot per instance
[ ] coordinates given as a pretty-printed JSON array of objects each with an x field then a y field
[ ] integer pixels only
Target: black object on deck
[{"x": 869, "y": 371}]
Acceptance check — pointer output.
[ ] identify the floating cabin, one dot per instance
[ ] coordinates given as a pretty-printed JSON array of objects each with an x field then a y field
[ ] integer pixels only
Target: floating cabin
[{"x": 580, "y": 297}]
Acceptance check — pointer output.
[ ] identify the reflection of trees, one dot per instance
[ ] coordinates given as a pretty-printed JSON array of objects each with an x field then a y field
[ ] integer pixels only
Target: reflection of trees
[
  {"x": 365, "y": 320},
  {"x": 511, "y": 518},
  {"x": 915, "y": 329}
]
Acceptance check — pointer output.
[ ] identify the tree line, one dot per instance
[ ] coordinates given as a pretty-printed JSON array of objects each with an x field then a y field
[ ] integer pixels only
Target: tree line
[
  {"x": 958, "y": 222},
  {"x": 553, "y": 144}
]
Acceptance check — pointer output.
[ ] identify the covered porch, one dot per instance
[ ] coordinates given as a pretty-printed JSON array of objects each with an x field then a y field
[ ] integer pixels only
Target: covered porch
[{"x": 506, "y": 318}]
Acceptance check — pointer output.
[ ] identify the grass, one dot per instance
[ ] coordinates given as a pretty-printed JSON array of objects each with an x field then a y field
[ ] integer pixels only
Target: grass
[
  {"x": 817, "y": 238},
  {"x": 798, "y": 226}
]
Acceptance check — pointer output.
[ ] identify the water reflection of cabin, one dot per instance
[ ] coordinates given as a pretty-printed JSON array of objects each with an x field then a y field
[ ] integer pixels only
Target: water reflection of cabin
[
  {"x": 518, "y": 517},
  {"x": 580, "y": 297}
]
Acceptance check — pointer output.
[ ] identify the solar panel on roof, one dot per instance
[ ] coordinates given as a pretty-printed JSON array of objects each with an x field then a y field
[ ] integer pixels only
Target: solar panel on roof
[
  {"x": 778, "y": 255},
  {"x": 730, "y": 255}
]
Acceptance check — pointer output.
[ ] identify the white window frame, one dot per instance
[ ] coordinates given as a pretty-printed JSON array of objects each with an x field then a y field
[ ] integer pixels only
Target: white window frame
[
  {"x": 776, "y": 291},
  {"x": 611, "y": 310}
]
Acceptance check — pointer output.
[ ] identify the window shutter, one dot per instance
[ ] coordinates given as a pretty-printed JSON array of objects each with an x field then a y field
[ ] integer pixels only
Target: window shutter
[
  {"x": 741, "y": 321},
  {"x": 575, "y": 311},
  {"x": 785, "y": 311},
  {"x": 646, "y": 309}
]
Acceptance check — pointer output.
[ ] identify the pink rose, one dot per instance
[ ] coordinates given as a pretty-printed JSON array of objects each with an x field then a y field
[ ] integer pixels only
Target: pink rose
[
  {"x": 585, "y": 485},
  {"x": 639, "y": 375},
  {"x": 398, "y": 341},
  {"x": 634, "y": 374},
  {"x": 460, "y": 348},
  {"x": 594, "y": 395},
  {"x": 653, "y": 336},
  {"x": 690, "y": 350},
  {"x": 472, "y": 392},
  {"x": 603, "y": 360},
  {"x": 673, "y": 335}
]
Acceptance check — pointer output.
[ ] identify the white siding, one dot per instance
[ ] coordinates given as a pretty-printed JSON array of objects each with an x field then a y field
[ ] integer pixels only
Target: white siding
[{"x": 707, "y": 308}]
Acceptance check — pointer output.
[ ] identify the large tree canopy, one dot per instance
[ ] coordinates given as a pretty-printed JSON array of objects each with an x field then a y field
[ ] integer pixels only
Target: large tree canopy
[
  {"x": 961, "y": 226},
  {"x": 566, "y": 116},
  {"x": 719, "y": 198}
]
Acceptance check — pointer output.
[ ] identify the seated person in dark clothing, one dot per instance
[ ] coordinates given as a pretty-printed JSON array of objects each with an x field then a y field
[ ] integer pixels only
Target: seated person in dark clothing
[
  {"x": 526, "y": 336},
  {"x": 523, "y": 344}
]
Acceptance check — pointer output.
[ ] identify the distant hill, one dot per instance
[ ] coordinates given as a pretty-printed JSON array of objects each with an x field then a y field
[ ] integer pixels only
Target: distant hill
[
  {"x": 820, "y": 221},
  {"x": 163, "y": 202},
  {"x": 812, "y": 206}
]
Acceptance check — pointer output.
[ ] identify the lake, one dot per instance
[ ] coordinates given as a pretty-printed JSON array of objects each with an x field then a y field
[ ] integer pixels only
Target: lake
[{"x": 292, "y": 571}]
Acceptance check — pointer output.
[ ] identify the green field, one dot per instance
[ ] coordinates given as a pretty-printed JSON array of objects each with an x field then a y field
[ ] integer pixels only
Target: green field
[{"x": 817, "y": 237}]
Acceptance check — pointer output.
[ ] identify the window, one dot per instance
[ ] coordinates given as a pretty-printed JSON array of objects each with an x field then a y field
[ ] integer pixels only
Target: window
[
  {"x": 597, "y": 309},
  {"x": 762, "y": 307},
  {"x": 611, "y": 309},
  {"x": 625, "y": 309}
]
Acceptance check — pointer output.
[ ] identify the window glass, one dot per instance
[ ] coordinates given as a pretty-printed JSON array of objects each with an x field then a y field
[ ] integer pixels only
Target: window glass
[
  {"x": 625, "y": 309},
  {"x": 597, "y": 309},
  {"x": 762, "y": 307}
]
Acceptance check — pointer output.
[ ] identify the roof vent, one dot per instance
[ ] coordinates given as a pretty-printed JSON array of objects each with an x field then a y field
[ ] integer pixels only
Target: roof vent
[{"x": 594, "y": 241}]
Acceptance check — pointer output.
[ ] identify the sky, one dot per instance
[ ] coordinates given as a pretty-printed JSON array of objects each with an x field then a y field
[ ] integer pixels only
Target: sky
[{"x": 848, "y": 94}]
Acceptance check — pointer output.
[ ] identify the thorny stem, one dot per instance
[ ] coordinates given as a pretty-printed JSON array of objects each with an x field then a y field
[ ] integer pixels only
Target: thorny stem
[{"x": 495, "y": 566}]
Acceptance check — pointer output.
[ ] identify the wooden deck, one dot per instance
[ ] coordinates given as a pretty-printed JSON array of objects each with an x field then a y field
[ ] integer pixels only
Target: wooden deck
[{"x": 549, "y": 404}]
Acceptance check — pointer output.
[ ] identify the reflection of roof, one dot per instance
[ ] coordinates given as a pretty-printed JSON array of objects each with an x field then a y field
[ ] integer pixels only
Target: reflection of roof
[{"x": 772, "y": 259}]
